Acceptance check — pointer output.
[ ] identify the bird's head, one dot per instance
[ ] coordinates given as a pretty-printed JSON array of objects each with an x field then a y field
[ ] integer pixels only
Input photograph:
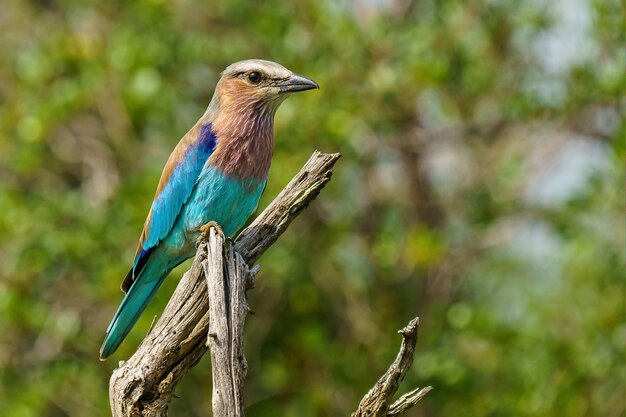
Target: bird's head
[{"x": 257, "y": 85}]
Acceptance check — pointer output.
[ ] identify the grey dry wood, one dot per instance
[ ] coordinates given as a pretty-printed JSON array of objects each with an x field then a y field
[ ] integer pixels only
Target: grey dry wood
[
  {"x": 143, "y": 386},
  {"x": 377, "y": 402},
  {"x": 218, "y": 283},
  {"x": 228, "y": 277}
]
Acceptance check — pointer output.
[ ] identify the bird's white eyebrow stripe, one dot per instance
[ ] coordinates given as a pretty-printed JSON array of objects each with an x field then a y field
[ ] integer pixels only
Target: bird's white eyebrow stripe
[{"x": 270, "y": 69}]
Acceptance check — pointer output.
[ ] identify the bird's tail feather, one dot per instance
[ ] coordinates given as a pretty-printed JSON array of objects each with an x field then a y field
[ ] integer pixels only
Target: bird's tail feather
[{"x": 134, "y": 303}]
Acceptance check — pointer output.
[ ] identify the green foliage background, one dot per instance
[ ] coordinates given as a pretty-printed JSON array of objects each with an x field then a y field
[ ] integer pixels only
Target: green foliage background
[{"x": 482, "y": 145}]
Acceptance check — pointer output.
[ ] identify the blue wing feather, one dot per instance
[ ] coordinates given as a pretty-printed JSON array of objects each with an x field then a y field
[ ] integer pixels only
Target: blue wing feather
[{"x": 168, "y": 203}]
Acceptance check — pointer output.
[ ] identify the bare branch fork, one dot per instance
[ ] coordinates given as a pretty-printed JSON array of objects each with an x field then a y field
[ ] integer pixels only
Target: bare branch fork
[
  {"x": 143, "y": 385},
  {"x": 377, "y": 402}
]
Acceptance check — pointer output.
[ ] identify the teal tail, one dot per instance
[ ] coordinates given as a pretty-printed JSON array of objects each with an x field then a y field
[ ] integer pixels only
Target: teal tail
[{"x": 135, "y": 302}]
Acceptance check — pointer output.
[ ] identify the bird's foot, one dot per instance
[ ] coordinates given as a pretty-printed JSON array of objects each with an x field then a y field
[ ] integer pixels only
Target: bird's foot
[{"x": 205, "y": 231}]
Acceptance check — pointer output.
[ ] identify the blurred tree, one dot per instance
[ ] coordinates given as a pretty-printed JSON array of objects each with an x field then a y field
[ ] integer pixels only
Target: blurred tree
[{"x": 478, "y": 189}]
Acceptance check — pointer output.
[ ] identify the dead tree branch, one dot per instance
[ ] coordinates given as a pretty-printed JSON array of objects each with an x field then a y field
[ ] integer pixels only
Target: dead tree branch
[
  {"x": 376, "y": 402},
  {"x": 143, "y": 385},
  {"x": 228, "y": 277}
]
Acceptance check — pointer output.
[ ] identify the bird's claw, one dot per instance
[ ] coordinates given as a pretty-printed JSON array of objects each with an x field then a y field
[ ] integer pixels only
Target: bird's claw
[{"x": 205, "y": 231}]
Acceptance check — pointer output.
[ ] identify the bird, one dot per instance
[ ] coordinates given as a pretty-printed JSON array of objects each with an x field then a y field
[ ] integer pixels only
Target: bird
[{"x": 216, "y": 174}]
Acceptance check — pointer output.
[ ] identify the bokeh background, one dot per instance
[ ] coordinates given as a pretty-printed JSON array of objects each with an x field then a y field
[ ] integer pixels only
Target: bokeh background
[{"x": 480, "y": 188}]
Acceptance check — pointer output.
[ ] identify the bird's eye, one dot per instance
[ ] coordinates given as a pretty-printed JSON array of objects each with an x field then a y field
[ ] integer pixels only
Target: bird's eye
[{"x": 254, "y": 77}]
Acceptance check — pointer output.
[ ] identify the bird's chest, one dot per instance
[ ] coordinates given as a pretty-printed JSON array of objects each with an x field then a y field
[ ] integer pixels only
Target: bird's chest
[{"x": 218, "y": 197}]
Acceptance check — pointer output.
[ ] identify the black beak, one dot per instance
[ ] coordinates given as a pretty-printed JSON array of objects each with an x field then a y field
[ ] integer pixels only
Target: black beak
[{"x": 297, "y": 83}]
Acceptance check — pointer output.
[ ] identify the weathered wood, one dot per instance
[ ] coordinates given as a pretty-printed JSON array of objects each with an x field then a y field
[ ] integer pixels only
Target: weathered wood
[
  {"x": 143, "y": 385},
  {"x": 254, "y": 240},
  {"x": 407, "y": 401},
  {"x": 376, "y": 402},
  {"x": 228, "y": 309}
]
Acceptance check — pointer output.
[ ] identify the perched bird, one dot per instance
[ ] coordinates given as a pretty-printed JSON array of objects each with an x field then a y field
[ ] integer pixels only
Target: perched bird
[{"x": 217, "y": 173}]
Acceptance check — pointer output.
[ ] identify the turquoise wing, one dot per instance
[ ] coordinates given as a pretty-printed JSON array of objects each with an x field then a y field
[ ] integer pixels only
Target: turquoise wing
[{"x": 176, "y": 185}]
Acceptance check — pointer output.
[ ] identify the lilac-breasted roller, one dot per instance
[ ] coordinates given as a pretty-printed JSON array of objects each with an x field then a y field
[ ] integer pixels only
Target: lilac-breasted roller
[{"x": 217, "y": 172}]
